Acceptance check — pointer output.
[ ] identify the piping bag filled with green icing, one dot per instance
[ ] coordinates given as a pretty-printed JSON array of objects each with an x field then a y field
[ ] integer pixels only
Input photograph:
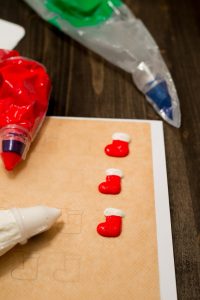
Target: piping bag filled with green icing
[{"x": 110, "y": 29}]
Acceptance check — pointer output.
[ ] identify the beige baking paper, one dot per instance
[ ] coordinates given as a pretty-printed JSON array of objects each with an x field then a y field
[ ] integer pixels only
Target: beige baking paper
[{"x": 71, "y": 261}]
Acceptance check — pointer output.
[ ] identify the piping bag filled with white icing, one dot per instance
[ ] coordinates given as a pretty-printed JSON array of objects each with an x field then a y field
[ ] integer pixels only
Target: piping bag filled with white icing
[
  {"x": 17, "y": 225},
  {"x": 110, "y": 29}
]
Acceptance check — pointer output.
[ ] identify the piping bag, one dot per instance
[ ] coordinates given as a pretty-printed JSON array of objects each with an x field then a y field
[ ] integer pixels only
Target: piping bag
[
  {"x": 24, "y": 95},
  {"x": 17, "y": 225},
  {"x": 110, "y": 29}
]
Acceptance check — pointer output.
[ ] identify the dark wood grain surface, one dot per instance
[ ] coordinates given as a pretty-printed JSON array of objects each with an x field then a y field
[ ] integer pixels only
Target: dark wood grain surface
[{"x": 86, "y": 85}]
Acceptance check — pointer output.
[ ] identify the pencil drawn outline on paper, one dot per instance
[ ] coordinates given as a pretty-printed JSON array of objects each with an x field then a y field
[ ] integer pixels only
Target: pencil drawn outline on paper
[
  {"x": 72, "y": 221},
  {"x": 26, "y": 262},
  {"x": 70, "y": 272}
]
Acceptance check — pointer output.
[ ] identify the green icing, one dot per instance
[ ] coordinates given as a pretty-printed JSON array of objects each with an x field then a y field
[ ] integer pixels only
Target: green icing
[
  {"x": 54, "y": 22},
  {"x": 82, "y": 12}
]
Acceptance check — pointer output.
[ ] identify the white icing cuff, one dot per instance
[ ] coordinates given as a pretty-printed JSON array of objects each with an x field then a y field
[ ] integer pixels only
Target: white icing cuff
[
  {"x": 121, "y": 137},
  {"x": 116, "y": 172},
  {"x": 113, "y": 212}
]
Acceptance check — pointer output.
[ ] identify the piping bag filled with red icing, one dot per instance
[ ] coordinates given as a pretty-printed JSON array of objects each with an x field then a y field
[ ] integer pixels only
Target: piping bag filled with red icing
[{"x": 24, "y": 95}]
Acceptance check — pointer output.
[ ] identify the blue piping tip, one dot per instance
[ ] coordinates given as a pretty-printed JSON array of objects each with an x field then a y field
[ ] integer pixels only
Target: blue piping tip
[{"x": 160, "y": 96}]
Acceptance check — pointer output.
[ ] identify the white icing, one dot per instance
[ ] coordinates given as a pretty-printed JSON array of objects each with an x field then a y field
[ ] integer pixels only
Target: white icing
[
  {"x": 9, "y": 230},
  {"x": 121, "y": 136},
  {"x": 114, "y": 212},
  {"x": 116, "y": 172}
]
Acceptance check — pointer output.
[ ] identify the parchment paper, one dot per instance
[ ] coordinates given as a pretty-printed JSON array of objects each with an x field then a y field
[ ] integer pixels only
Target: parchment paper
[{"x": 71, "y": 261}]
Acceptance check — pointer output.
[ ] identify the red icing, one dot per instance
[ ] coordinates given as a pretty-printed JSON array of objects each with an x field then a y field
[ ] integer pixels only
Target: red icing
[
  {"x": 117, "y": 148},
  {"x": 10, "y": 160},
  {"x": 24, "y": 92},
  {"x": 4, "y": 54},
  {"x": 112, "y": 227},
  {"x": 112, "y": 185}
]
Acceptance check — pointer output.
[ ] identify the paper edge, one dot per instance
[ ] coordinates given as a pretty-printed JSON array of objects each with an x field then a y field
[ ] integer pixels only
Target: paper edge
[
  {"x": 105, "y": 119},
  {"x": 163, "y": 220}
]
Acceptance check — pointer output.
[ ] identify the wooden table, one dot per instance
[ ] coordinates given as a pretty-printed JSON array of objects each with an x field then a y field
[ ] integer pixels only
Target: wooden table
[{"x": 85, "y": 85}]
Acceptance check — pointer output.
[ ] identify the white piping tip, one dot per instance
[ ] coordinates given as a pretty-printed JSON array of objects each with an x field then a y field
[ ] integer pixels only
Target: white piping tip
[{"x": 34, "y": 220}]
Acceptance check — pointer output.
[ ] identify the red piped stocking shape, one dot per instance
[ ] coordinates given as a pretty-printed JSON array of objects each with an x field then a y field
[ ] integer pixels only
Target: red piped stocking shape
[
  {"x": 112, "y": 227},
  {"x": 119, "y": 146},
  {"x": 112, "y": 185}
]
